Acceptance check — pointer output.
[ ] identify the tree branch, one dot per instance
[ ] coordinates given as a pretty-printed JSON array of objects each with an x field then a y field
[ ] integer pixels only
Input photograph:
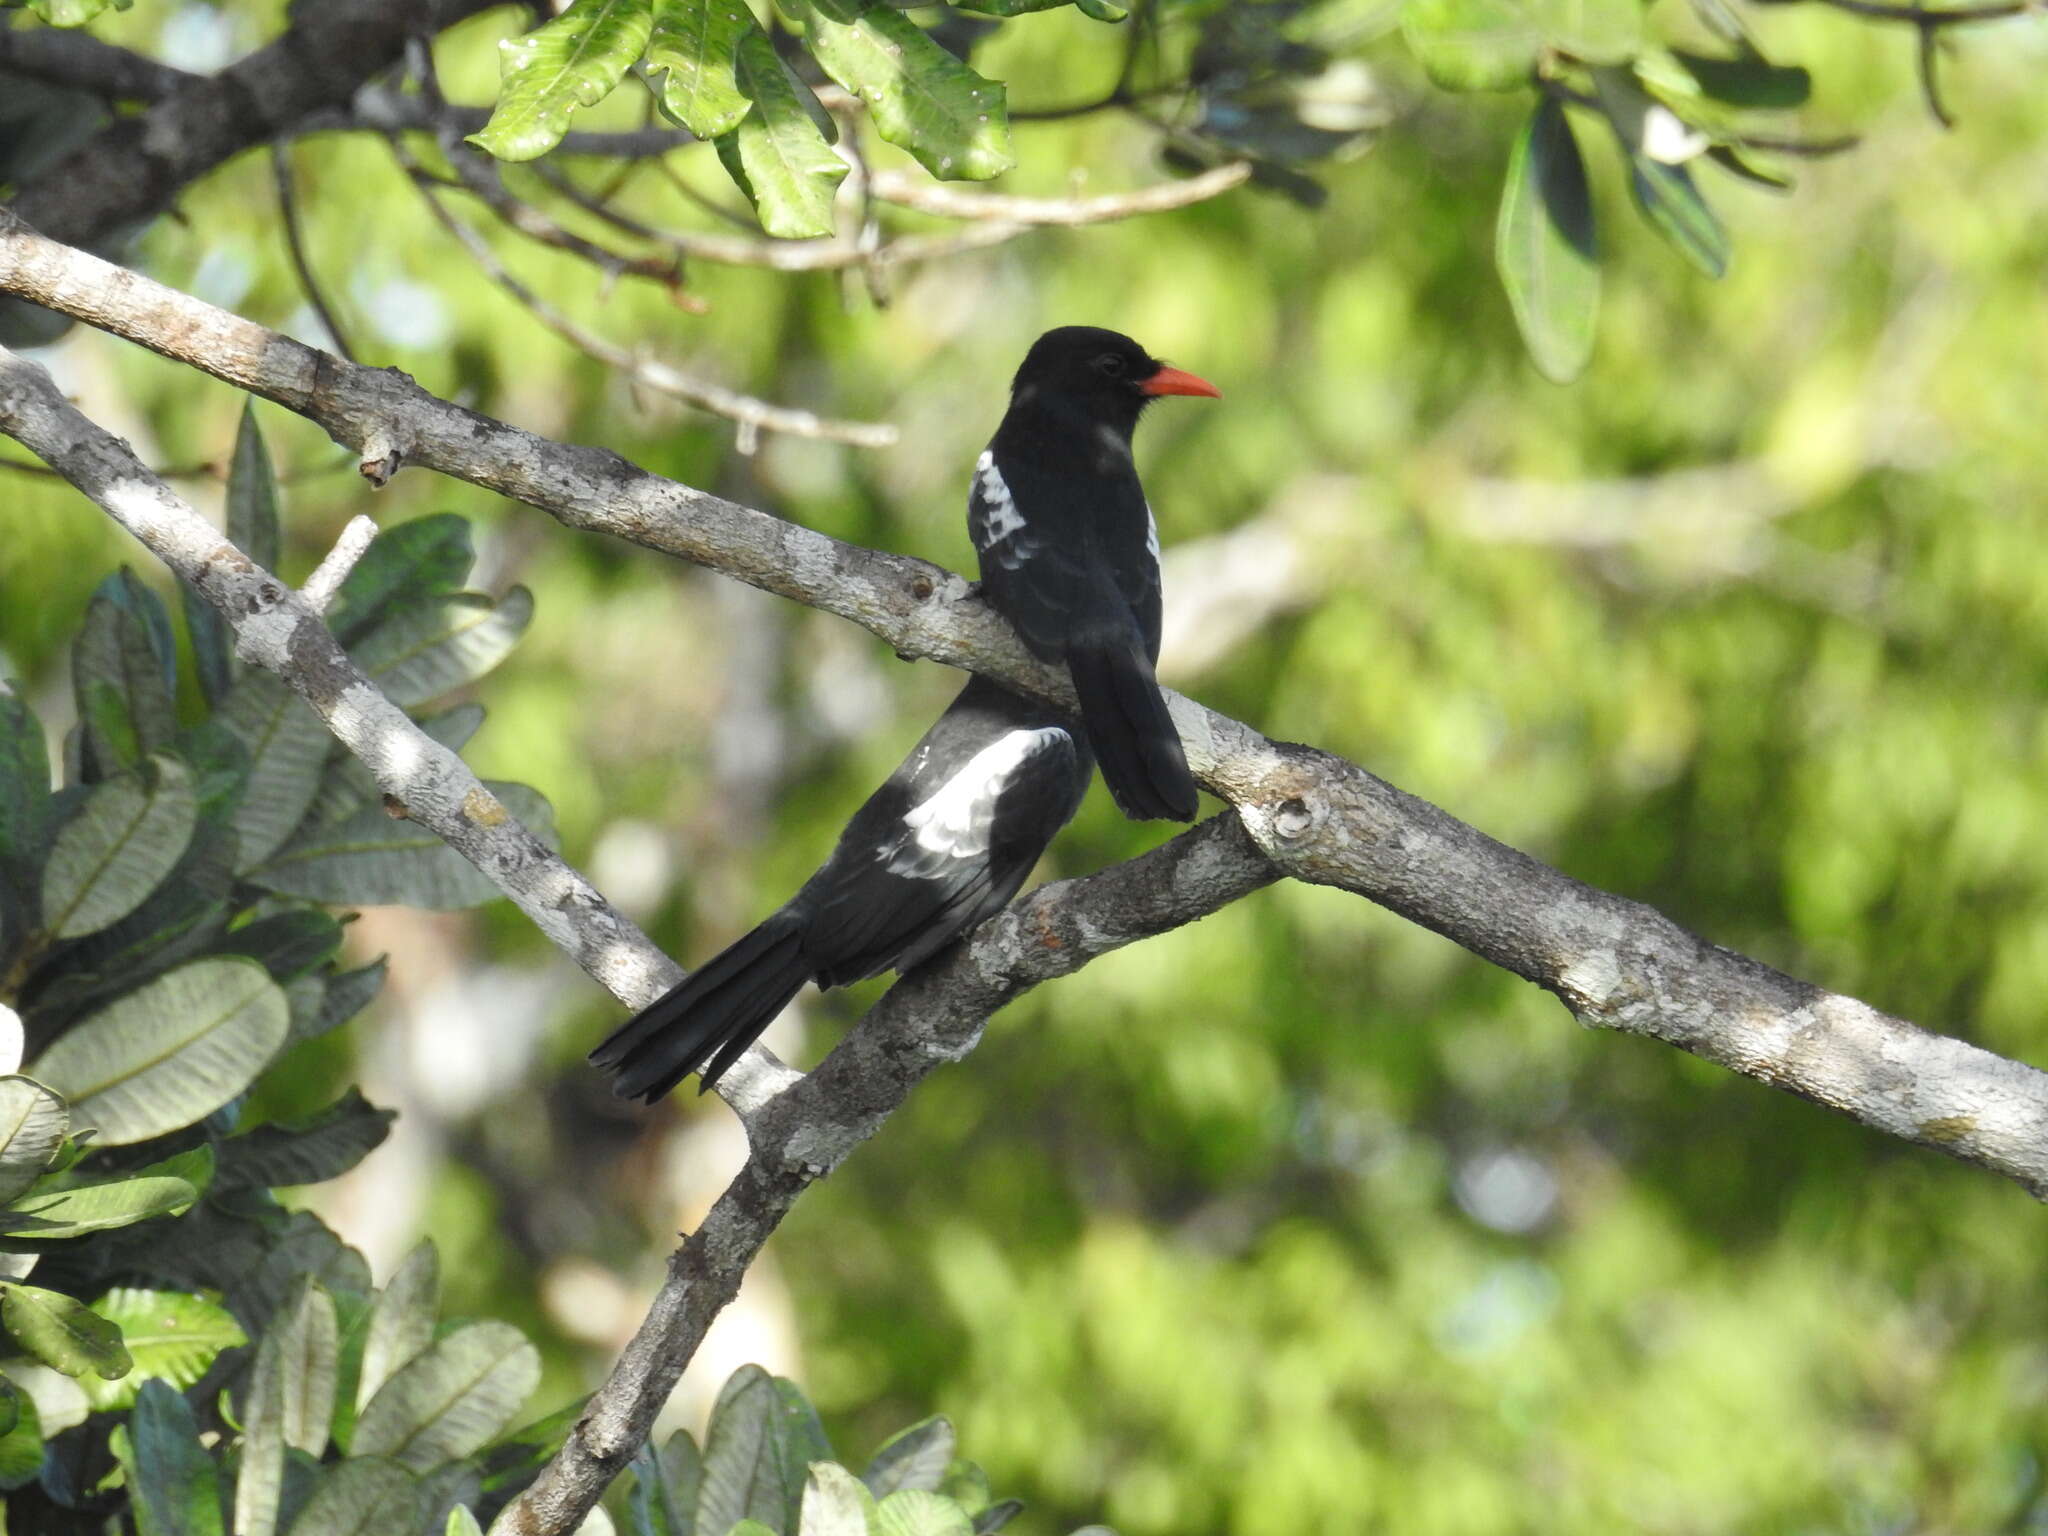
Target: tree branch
[
  {"x": 1614, "y": 963},
  {"x": 933, "y": 1016},
  {"x": 73, "y": 57},
  {"x": 131, "y": 170}
]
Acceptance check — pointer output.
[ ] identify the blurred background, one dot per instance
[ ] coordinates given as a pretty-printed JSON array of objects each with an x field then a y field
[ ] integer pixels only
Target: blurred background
[{"x": 1300, "y": 1219}]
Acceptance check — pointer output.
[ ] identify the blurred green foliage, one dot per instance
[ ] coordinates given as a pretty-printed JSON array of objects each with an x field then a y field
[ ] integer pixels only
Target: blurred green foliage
[{"x": 1301, "y": 1219}]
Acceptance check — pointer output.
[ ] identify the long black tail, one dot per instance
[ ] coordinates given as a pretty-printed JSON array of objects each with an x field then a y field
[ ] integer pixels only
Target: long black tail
[
  {"x": 707, "y": 1021},
  {"x": 1132, "y": 734}
]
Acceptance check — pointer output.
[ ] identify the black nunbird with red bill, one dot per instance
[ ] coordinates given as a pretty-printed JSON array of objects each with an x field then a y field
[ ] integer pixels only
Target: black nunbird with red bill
[
  {"x": 939, "y": 848},
  {"x": 1070, "y": 553}
]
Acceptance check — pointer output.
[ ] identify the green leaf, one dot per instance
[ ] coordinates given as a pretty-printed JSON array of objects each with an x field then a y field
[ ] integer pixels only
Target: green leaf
[
  {"x": 286, "y": 944},
  {"x": 955, "y": 122},
  {"x": 402, "y": 1321},
  {"x": 21, "y": 1447},
  {"x": 173, "y": 1489},
  {"x": 1544, "y": 245},
  {"x": 26, "y": 815},
  {"x": 996, "y": 1516},
  {"x": 461, "y": 1523},
  {"x": 127, "y": 836},
  {"x": 695, "y": 42},
  {"x": 918, "y": 1512},
  {"x": 914, "y": 1458},
  {"x": 966, "y": 1485},
  {"x": 1665, "y": 192},
  {"x": 757, "y": 1453},
  {"x": 374, "y": 859},
  {"x": 169, "y": 1053},
  {"x": 573, "y": 61},
  {"x": 73, "y": 13},
  {"x": 1473, "y": 45},
  {"x": 363, "y": 1496},
  {"x": 287, "y": 747},
  {"x": 62, "y": 1332},
  {"x": 836, "y": 1503},
  {"x": 123, "y": 676},
  {"x": 83, "y": 1208},
  {"x": 171, "y": 1336},
  {"x": 1748, "y": 80},
  {"x": 252, "y": 495},
  {"x": 1009, "y": 7},
  {"x": 289, "y": 1405},
  {"x": 404, "y": 565},
  {"x": 777, "y": 154},
  {"x": 432, "y": 648},
  {"x": 451, "y": 1399},
  {"x": 33, "y": 1124},
  {"x": 12, "y": 1400},
  {"x": 310, "y": 1151},
  {"x": 347, "y": 994},
  {"x": 1592, "y": 31},
  {"x": 213, "y": 644}
]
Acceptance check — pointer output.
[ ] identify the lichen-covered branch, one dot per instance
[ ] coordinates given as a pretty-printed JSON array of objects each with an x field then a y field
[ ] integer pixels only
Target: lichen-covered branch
[{"x": 1614, "y": 962}]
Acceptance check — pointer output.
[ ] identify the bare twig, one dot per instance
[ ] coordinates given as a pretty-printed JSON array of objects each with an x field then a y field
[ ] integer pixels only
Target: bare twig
[
  {"x": 288, "y": 206},
  {"x": 952, "y": 202},
  {"x": 755, "y": 414},
  {"x": 333, "y": 569}
]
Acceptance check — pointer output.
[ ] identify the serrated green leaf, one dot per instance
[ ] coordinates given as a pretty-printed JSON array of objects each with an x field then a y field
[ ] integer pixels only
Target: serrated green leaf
[
  {"x": 287, "y": 747},
  {"x": 310, "y": 1151},
  {"x": 1748, "y": 80},
  {"x": 405, "y": 564},
  {"x": 402, "y": 1321},
  {"x": 252, "y": 495},
  {"x": 170, "y": 1053},
  {"x": 62, "y": 1332},
  {"x": 173, "y": 1487},
  {"x": 363, "y": 1496},
  {"x": 573, "y": 61},
  {"x": 21, "y": 1447},
  {"x": 123, "y": 676},
  {"x": 451, "y": 1399},
  {"x": 373, "y": 859},
  {"x": 953, "y": 120},
  {"x": 83, "y": 1208},
  {"x": 919, "y": 1512},
  {"x": 434, "y": 647},
  {"x": 694, "y": 41},
  {"x": 916, "y": 1457},
  {"x": 1544, "y": 245},
  {"x": 777, "y": 154},
  {"x": 836, "y": 1503},
  {"x": 33, "y": 1124},
  {"x": 127, "y": 836},
  {"x": 171, "y": 1336}
]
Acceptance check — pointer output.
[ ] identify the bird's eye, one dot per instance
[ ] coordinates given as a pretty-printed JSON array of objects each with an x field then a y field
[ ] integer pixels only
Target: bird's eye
[{"x": 1110, "y": 365}]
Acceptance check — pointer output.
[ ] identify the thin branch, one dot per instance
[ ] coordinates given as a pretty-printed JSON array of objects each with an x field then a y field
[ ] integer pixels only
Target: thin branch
[
  {"x": 73, "y": 57},
  {"x": 948, "y": 201},
  {"x": 333, "y": 569},
  {"x": 288, "y": 206},
  {"x": 931, "y": 1017},
  {"x": 1614, "y": 963},
  {"x": 753, "y": 414},
  {"x": 1932, "y": 16}
]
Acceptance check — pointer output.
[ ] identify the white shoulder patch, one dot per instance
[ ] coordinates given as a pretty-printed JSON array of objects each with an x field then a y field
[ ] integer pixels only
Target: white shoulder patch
[
  {"x": 1000, "y": 517},
  {"x": 958, "y": 819},
  {"x": 1151, "y": 534}
]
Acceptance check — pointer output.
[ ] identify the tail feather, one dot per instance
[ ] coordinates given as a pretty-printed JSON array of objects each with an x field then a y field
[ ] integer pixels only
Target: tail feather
[
  {"x": 707, "y": 1021},
  {"x": 1132, "y": 734}
]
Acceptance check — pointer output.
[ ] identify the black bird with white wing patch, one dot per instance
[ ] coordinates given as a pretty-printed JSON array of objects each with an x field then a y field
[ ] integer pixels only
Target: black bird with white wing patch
[
  {"x": 1070, "y": 553},
  {"x": 941, "y": 847}
]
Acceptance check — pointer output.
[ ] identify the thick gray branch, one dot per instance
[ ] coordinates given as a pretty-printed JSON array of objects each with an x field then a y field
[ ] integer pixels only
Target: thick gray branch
[
  {"x": 131, "y": 170},
  {"x": 1615, "y": 963},
  {"x": 931, "y": 1017}
]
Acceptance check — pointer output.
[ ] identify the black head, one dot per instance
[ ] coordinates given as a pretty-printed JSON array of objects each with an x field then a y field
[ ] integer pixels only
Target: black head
[{"x": 1105, "y": 373}]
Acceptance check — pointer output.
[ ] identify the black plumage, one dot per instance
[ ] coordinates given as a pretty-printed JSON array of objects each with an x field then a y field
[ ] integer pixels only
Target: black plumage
[
  {"x": 941, "y": 847},
  {"x": 1070, "y": 553}
]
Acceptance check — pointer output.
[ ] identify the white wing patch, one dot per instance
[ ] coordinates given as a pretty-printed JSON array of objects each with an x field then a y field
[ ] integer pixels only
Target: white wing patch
[
  {"x": 1151, "y": 535},
  {"x": 958, "y": 819},
  {"x": 1000, "y": 517}
]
